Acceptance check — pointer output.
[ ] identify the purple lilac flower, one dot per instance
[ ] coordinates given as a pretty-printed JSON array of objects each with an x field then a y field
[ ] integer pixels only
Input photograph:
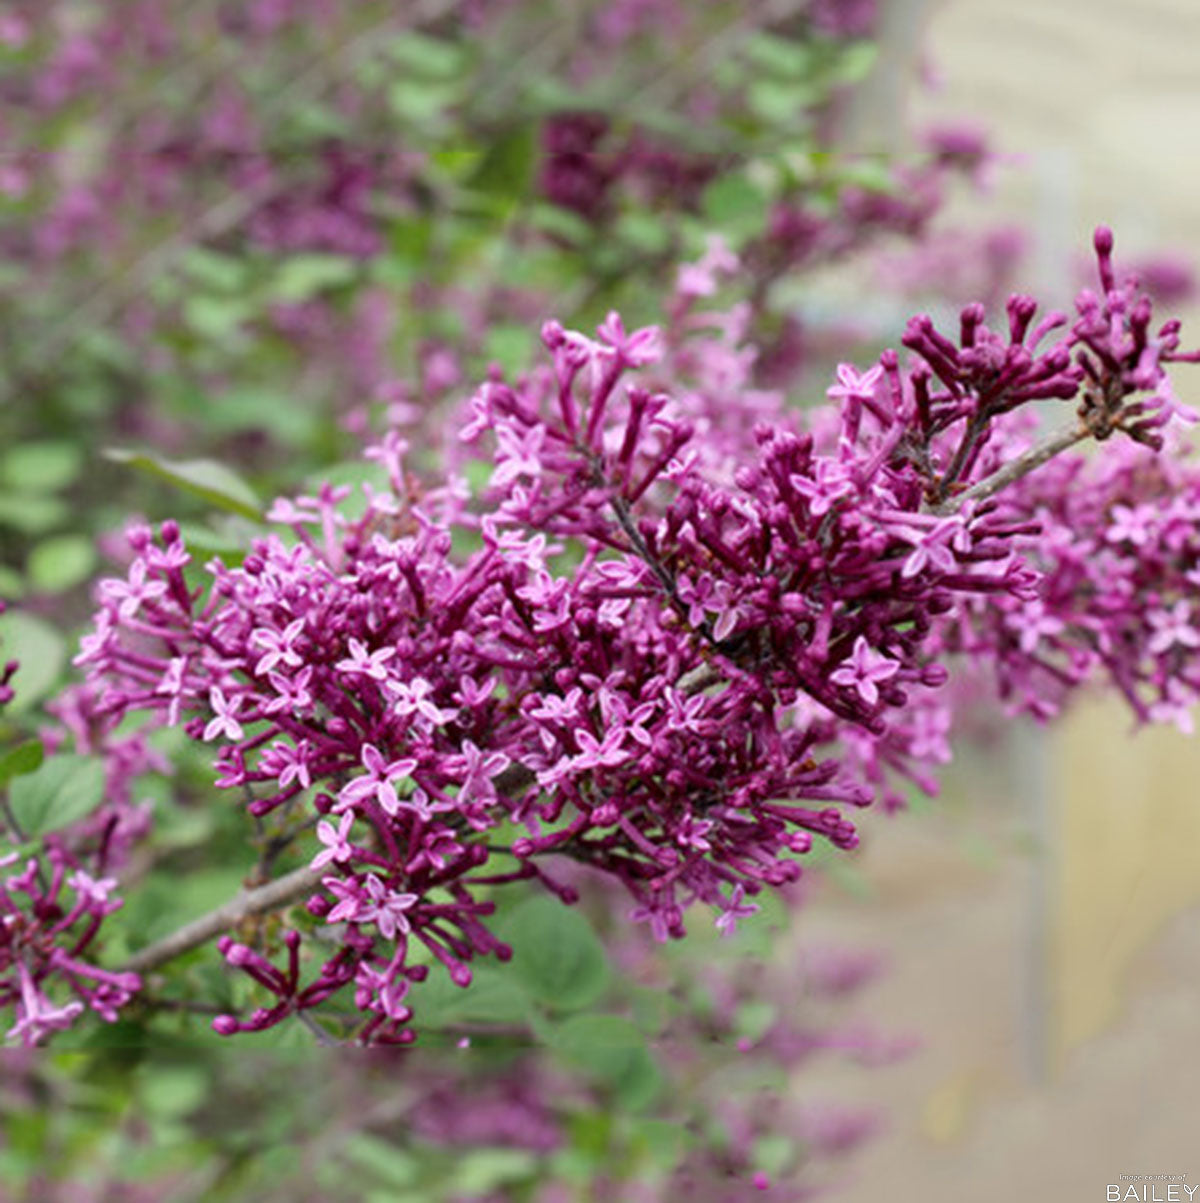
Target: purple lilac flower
[{"x": 751, "y": 637}]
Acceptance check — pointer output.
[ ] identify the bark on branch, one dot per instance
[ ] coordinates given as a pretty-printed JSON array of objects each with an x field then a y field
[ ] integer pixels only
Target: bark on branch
[{"x": 276, "y": 894}]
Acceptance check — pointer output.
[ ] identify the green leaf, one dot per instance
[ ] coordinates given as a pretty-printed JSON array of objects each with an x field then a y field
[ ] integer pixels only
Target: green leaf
[
  {"x": 733, "y": 204},
  {"x": 42, "y": 653},
  {"x": 507, "y": 166},
  {"x": 221, "y": 273},
  {"x": 314, "y": 122},
  {"x": 774, "y": 55},
  {"x": 492, "y": 997},
  {"x": 43, "y": 467},
  {"x": 25, "y": 758},
  {"x": 421, "y": 102},
  {"x": 410, "y": 239},
  {"x": 302, "y": 277},
  {"x": 32, "y": 514},
  {"x": 426, "y": 57},
  {"x": 106, "y": 347},
  {"x": 58, "y": 564},
  {"x": 384, "y": 1161},
  {"x": 753, "y": 1019},
  {"x": 560, "y": 223},
  {"x": 204, "y": 542},
  {"x": 652, "y": 1009},
  {"x": 214, "y": 482},
  {"x": 779, "y": 103},
  {"x": 872, "y": 173},
  {"x": 774, "y": 1153},
  {"x": 663, "y": 1142},
  {"x": 647, "y": 233},
  {"x": 62, "y": 791},
  {"x": 610, "y": 1049},
  {"x": 12, "y": 584},
  {"x": 215, "y": 318},
  {"x": 483, "y": 1170},
  {"x": 250, "y": 408},
  {"x": 173, "y": 1090},
  {"x": 511, "y": 345},
  {"x": 856, "y": 62},
  {"x": 556, "y": 955}
]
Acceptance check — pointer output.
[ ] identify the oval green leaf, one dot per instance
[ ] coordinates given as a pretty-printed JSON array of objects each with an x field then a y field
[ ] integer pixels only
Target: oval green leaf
[
  {"x": 42, "y": 654},
  {"x": 24, "y": 758},
  {"x": 610, "y": 1049},
  {"x": 556, "y": 955},
  {"x": 61, "y": 792},
  {"x": 58, "y": 564}
]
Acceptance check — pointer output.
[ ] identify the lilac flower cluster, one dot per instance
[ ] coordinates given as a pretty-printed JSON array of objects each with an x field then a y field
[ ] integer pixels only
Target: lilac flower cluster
[
  {"x": 586, "y": 164},
  {"x": 50, "y": 914},
  {"x": 1119, "y": 555},
  {"x": 51, "y": 910},
  {"x": 677, "y": 648},
  {"x": 1112, "y": 537},
  {"x": 155, "y": 158}
]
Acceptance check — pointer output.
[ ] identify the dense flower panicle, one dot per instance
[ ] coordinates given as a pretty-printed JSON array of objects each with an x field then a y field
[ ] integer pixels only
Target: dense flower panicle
[{"x": 689, "y": 634}]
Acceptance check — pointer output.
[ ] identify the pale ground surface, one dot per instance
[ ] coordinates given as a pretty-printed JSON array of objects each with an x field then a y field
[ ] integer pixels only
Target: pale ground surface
[
  {"x": 968, "y": 1121},
  {"x": 1059, "y": 998}
]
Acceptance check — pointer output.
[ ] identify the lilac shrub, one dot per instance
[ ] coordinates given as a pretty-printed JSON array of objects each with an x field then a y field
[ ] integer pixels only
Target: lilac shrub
[{"x": 662, "y": 639}]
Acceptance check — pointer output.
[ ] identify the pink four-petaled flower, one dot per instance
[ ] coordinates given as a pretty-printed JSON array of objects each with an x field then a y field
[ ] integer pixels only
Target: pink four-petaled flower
[
  {"x": 389, "y": 910},
  {"x": 226, "y": 710},
  {"x": 853, "y": 384},
  {"x": 379, "y": 782},
  {"x": 368, "y": 664},
  {"x": 863, "y": 669},
  {"x": 337, "y": 845}
]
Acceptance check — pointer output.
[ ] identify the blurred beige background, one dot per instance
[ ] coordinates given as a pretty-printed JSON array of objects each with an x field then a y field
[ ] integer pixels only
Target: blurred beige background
[{"x": 1043, "y": 921}]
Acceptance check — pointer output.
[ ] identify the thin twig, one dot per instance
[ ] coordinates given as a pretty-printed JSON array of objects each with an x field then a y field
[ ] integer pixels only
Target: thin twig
[
  {"x": 19, "y": 835},
  {"x": 273, "y": 896},
  {"x": 620, "y": 507},
  {"x": 1022, "y": 466},
  {"x": 323, "y": 1038}
]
